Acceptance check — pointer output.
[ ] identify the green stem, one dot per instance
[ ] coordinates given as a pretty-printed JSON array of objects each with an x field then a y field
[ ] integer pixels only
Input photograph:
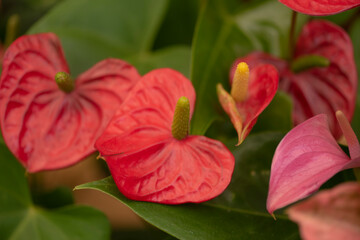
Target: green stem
[
  {"x": 309, "y": 61},
  {"x": 292, "y": 34},
  {"x": 11, "y": 29}
]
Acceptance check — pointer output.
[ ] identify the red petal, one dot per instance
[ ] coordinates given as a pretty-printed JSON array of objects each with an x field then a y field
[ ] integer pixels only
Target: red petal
[
  {"x": 194, "y": 169},
  {"x": 305, "y": 158},
  {"x": 145, "y": 117},
  {"x": 331, "y": 214},
  {"x": 324, "y": 90},
  {"x": 44, "y": 127},
  {"x": 320, "y": 7},
  {"x": 263, "y": 85},
  {"x": 318, "y": 90}
]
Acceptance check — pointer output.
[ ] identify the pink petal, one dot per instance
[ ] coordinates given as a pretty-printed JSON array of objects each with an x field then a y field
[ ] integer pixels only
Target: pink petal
[
  {"x": 330, "y": 214},
  {"x": 320, "y": 7},
  {"x": 305, "y": 158},
  {"x": 194, "y": 169},
  {"x": 332, "y": 88},
  {"x": 44, "y": 127},
  {"x": 145, "y": 117}
]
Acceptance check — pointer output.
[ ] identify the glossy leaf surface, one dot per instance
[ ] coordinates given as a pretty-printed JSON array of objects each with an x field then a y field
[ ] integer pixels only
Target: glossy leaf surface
[
  {"x": 123, "y": 30},
  {"x": 21, "y": 219},
  {"x": 202, "y": 221},
  {"x": 330, "y": 214},
  {"x": 318, "y": 90},
  {"x": 320, "y": 7},
  {"x": 147, "y": 162},
  {"x": 45, "y": 127},
  {"x": 280, "y": 109},
  {"x": 305, "y": 159}
]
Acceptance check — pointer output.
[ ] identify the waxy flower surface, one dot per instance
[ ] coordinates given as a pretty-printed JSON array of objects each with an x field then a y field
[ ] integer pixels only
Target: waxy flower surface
[
  {"x": 49, "y": 126},
  {"x": 148, "y": 150},
  {"x": 318, "y": 89},
  {"x": 251, "y": 93},
  {"x": 330, "y": 214},
  {"x": 320, "y": 7},
  {"x": 306, "y": 158}
]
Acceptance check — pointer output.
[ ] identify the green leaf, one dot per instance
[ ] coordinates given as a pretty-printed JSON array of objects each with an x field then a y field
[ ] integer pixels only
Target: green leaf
[
  {"x": 173, "y": 31},
  {"x": 55, "y": 198},
  {"x": 177, "y": 57},
  {"x": 249, "y": 185},
  {"x": 21, "y": 219},
  {"x": 239, "y": 213},
  {"x": 225, "y": 31},
  {"x": 111, "y": 28},
  {"x": 277, "y": 116}
]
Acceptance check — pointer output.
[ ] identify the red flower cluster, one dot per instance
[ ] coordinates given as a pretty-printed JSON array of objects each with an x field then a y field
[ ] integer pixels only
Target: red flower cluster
[{"x": 320, "y": 89}]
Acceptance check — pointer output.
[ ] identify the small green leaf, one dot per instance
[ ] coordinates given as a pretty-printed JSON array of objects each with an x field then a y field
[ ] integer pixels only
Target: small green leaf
[{"x": 21, "y": 219}]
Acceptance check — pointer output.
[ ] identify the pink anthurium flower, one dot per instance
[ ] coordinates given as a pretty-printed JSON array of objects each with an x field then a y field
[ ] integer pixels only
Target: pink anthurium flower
[
  {"x": 330, "y": 214},
  {"x": 148, "y": 150},
  {"x": 318, "y": 89},
  {"x": 48, "y": 120},
  {"x": 306, "y": 158},
  {"x": 251, "y": 93},
  {"x": 320, "y": 7}
]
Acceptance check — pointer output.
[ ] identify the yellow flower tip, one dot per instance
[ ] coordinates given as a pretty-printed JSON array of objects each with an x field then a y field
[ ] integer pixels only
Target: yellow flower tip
[
  {"x": 180, "y": 124},
  {"x": 273, "y": 215},
  {"x": 239, "y": 86},
  {"x": 339, "y": 114}
]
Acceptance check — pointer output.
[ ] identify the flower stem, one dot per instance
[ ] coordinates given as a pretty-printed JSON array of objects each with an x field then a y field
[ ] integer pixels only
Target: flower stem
[
  {"x": 11, "y": 29},
  {"x": 292, "y": 34}
]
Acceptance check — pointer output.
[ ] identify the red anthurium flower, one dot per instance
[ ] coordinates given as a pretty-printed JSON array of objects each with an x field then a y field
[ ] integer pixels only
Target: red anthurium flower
[
  {"x": 319, "y": 89},
  {"x": 331, "y": 214},
  {"x": 251, "y": 93},
  {"x": 320, "y": 7},
  {"x": 306, "y": 158},
  {"x": 148, "y": 150},
  {"x": 49, "y": 124}
]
